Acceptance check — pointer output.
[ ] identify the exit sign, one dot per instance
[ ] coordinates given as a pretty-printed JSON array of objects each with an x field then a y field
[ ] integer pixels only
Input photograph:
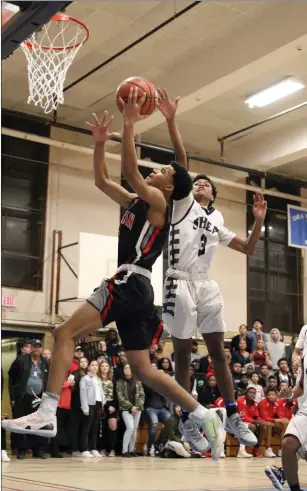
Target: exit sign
[{"x": 9, "y": 301}]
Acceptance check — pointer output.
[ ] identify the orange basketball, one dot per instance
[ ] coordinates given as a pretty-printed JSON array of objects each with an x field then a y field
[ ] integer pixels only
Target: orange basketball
[{"x": 143, "y": 85}]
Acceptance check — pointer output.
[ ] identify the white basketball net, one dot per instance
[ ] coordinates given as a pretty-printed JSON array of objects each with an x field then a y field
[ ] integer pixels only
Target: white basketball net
[{"x": 47, "y": 68}]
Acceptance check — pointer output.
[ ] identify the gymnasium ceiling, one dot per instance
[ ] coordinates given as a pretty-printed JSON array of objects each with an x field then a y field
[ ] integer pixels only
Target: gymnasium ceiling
[{"x": 213, "y": 56}]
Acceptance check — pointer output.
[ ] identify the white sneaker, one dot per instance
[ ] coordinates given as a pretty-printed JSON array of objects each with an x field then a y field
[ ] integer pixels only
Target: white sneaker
[
  {"x": 96, "y": 454},
  {"x": 76, "y": 454},
  {"x": 242, "y": 454},
  {"x": 152, "y": 452},
  {"x": 235, "y": 426},
  {"x": 87, "y": 454},
  {"x": 214, "y": 430},
  {"x": 222, "y": 456},
  {"x": 269, "y": 453},
  {"x": 111, "y": 454},
  {"x": 103, "y": 453},
  {"x": 39, "y": 423},
  {"x": 279, "y": 453},
  {"x": 190, "y": 430},
  {"x": 4, "y": 456}
]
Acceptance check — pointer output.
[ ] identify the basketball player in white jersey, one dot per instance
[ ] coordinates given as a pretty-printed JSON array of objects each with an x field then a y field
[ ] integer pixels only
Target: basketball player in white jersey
[
  {"x": 192, "y": 301},
  {"x": 295, "y": 439}
]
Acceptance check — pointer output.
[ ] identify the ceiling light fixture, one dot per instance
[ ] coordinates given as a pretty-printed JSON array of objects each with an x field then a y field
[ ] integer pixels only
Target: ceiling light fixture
[{"x": 274, "y": 93}]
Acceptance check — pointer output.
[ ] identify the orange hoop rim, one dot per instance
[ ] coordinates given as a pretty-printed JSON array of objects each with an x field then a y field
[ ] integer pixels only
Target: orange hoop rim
[{"x": 66, "y": 18}]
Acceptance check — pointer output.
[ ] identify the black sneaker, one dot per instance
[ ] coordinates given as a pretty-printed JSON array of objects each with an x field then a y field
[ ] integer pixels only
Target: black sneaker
[
  {"x": 39, "y": 455},
  {"x": 20, "y": 455}
]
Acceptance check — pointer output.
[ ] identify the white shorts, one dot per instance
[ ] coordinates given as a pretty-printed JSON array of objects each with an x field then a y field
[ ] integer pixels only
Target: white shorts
[
  {"x": 298, "y": 427},
  {"x": 192, "y": 305}
]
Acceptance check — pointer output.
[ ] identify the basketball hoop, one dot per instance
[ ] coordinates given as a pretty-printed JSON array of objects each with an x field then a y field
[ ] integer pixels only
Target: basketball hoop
[{"x": 50, "y": 52}]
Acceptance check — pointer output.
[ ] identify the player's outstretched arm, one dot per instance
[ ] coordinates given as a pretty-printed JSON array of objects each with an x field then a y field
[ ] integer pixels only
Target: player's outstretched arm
[
  {"x": 248, "y": 246},
  {"x": 168, "y": 108},
  {"x": 101, "y": 134},
  {"x": 153, "y": 196}
]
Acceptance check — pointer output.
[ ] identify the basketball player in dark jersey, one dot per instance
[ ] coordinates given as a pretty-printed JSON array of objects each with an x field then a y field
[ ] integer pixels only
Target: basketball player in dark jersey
[{"x": 127, "y": 297}]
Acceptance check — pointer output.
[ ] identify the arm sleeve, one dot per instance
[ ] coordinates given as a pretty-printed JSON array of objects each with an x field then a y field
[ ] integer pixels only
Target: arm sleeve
[{"x": 181, "y": 207}]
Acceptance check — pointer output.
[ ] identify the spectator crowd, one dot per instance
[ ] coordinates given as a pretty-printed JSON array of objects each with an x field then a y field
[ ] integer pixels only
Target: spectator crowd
[{"x": 102, "y": 405}]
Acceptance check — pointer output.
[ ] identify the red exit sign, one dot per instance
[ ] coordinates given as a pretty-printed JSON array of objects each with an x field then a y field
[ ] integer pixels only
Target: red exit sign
[{"x": 9, "y": 301}]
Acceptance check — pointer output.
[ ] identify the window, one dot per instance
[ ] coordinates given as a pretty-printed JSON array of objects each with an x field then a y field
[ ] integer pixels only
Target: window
[
  {"x": 275, "y": 271},
  {"x": 23, "y": 206}
]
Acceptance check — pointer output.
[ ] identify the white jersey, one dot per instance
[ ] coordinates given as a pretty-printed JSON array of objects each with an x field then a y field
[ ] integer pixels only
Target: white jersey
[{"x": 195, "y": 233}]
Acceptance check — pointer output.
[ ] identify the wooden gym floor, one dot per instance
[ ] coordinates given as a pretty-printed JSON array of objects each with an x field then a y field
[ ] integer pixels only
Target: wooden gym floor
[{"x": 138, "y": 474}]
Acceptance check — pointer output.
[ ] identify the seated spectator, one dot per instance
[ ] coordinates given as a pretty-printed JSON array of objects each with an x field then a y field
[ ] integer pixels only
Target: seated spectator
[
  {"x": 76, "y": 414},
  {"x": 276, "y": 348},
  {"x": 248, "y": 369},
  {"x": 249, "y": 412},
  {"x": 258, "y": 334},
  {"x": 282, "y": 386},
  {"x": 258, "y": 388},
  {"x": 290, "y": 349},
  {"x": 62, "y": 415},
  {"x": 195, "y": 354},
  {"x": 165, "y": 364},
  {"x": 113, "y": 346},
  {"x": 241, "y": 388},
  {"x": 236, "y": 373},
  {"x": 260, "y": 356},
  {"x": 153, "y": 354},
  {"x": 287, "y": 407},
  {"x": 196, "y": 365},
  {"x": 272, "y": 384},
  {"x": 244, "y": 334},
  {"x": 271, "y": 412},
  {"x": 110, "y": 411},
  {"x": 242, "y": 355},
  {"x": 92, "y": 401},
  {"x": 131, "y": 398},
  {"x": 228, "y": 356},
  {"x": 283, "y": 375},
  {"x": 204, "y": 363},
  {"x": 263, "y": 375},
  {"x": 209, "y": 393},
  {"x": 120, "y": 363},
  {"x": 156, "y": 411},
  {"x": 161, "y": 353},
  {"x": 170, "y": 432},
  {"x": 78, "y": 353}
]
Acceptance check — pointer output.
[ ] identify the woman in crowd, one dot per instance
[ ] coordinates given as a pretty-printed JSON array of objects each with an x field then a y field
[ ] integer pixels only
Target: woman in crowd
[
  {"x": 227, "y": 352},
  {"x": 75, "y": 419},
  {"x": 165, "y": 364},
  {"x": 113, "y": 346},
  {"x": 242, "y": 355},
  {"x": 110, "y": 411},
  {"x": 260, "y": 356},
  {"x": 258, "y": 388},
  {"x": 208, "y": 394},
  {"x": 131, "y": 399},
  {"x": 243, "y": 334},
  {"x": 92, "y": 402}
]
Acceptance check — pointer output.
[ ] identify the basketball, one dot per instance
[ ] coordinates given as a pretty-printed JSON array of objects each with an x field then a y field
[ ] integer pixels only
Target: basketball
[{"x": 143, "y": 85}]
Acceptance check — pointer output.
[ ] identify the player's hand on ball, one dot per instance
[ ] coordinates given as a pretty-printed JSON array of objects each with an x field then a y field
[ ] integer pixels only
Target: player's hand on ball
[
  {"x": 260, "y": 206},
  {"x": 100, "y": 130},
  {"x": 167, "y": 106},
  {"x": 132, "y": 108}
]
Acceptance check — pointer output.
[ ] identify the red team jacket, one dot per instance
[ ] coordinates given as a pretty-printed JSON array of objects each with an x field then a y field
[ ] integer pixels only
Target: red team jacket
[
  {"x": 270, "y": 411},
  {"x": 287, "y": 409},
  {"x": 249, "y": 412}
]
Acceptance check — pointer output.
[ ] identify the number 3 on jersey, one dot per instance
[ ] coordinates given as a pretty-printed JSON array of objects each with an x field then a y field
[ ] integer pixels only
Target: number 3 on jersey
[{"x": 203, "y": 242}]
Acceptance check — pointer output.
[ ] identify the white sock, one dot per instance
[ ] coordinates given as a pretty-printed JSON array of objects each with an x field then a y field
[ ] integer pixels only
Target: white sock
[
  {"x": 242, "y": 448},
  {"x": 49, "y": 403},
  {"x": 198, "y": 412}
]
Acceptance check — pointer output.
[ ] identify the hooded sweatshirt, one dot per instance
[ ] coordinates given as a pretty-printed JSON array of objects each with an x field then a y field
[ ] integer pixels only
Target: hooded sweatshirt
[{"x": 276, "y": 349}]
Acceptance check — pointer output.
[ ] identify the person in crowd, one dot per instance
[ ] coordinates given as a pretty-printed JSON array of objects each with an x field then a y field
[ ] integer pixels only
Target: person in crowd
[
  {"x": 195, "y": 354},
  {"x": 243, "y": 334},
  {"x": 131, "y": 398},
  {"x": 249, "y": 368},
  {"x": 193, "y": 384},
  {"x": 76, "y": 414},
  {"x": 78, "y": 354},
  {"x": 110, "y": 409},
  {"x": 160, "y": 352},
  {"x": 92, "y": 401},
  {"x": 236, "y": 373},
  {"x": 258, "y": 334},
  {"x": 24, "y": 347},
  {"x": 63, "y": 416},
  {"x": 242, "y": 355},
  {"x": 283, "y": 374},
  {"x": 271, "y": 412},
  {"x": 165, "y": 364},
  {"x": 260, "y": 356},
  {"x": 249, "y": 412},
  {"x": 206, "y": 365},
  {"x": 121, "y": 362},
  {"x": 272, "y": 384},
  {"x": 4, "y": 455},
  {"x": 288, "y": 407},
  {"x": 153, "y": 354},
  {"x": 171, "y": 433},
  {"x": 156, "y": 411},
  {"x": 258, "y": 388},
  {"x": 263, "y": 375},
  {"x": 227, "y": 352},
  {"x": 28, "y": 376},
  {"x": 196, "y": 365},
  {"x": 242, "y": 386},
  {"x": 47, "y": 354},
  {"x": 290, "y": 349},
  {"x": 113, "y": 346},
  {"x": 102, "y": 349},
  {"x": 276, "y": 348},
  {"x": 208, "y": 393}
]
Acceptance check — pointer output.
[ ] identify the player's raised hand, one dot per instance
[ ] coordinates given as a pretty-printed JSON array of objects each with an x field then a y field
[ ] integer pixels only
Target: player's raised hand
[
  {"x": 100, "y": 130},
  {"x": 132, "y": 108},
  {"x": 167, "y": 106},
  {"x": 260, "y": 206},
  {"x": 286, "y": 393}
]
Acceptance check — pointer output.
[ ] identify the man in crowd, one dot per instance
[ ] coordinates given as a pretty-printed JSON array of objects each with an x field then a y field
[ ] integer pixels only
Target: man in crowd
[
  {"x": 276, "y": 348},
  {"x": 236, "y": 374},
  {"x": 271, "y": 412},
  {"x": 195, "y": 354},
  {"x": 272, "y": 384},
  {"x": 283, "y": 375},
  {"x": 78, "y": 354},
  {"x": 27, "y": 380},
  {"x": 258, "y": 334},
  {"x": 263, "y": 375}
]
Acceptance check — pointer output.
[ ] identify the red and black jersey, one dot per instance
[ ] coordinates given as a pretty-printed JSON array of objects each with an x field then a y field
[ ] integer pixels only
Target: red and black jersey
[{"x": 139, "y": 242}]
